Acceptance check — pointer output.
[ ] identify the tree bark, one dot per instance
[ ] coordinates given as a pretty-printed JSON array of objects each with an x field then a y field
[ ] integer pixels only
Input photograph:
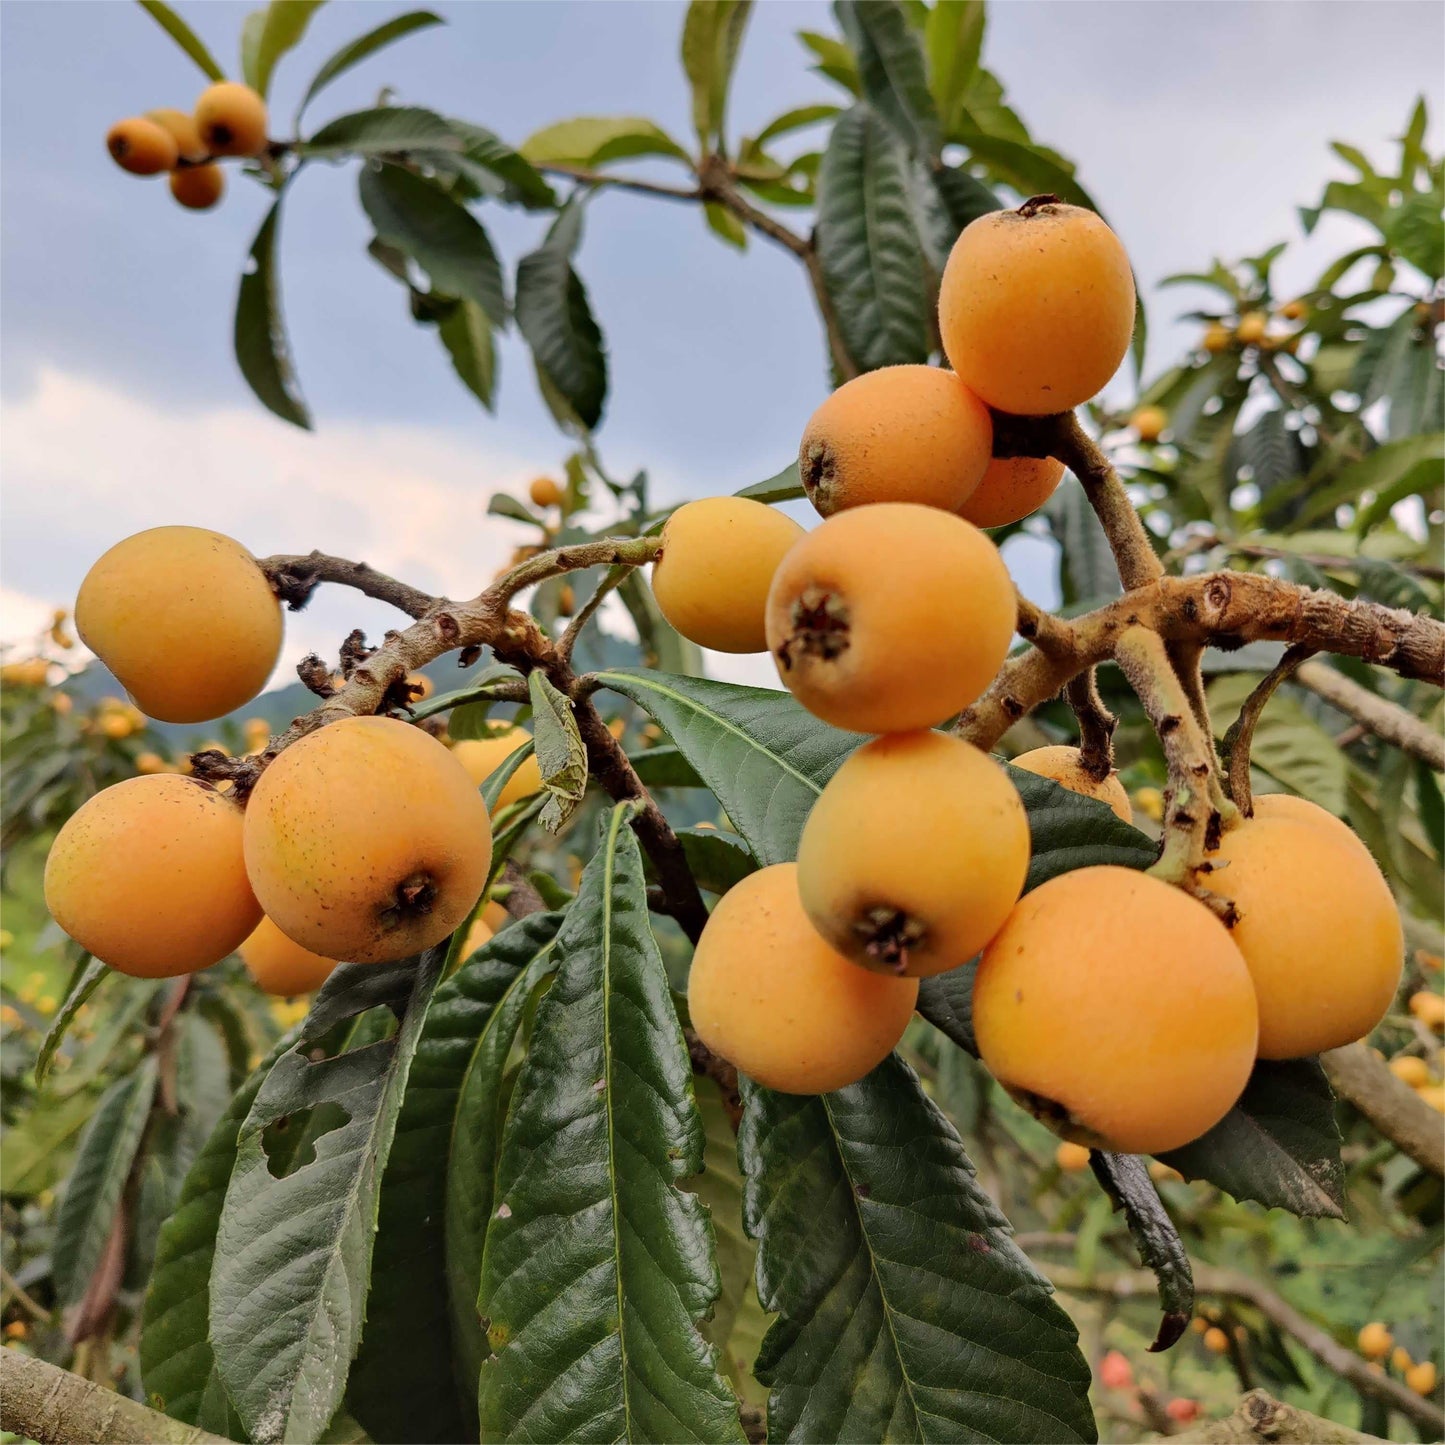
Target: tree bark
[{"x": 1260, "y": 1417}]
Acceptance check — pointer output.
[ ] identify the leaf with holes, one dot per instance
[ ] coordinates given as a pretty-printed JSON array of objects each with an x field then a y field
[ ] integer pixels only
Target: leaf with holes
[
  {"x": 262, "y": 351},
  {"x": 415, "y": 1374},
  {"x": 906, "y": 1311},
  {"x": 597, "y": 1266},
  {"x": 305, "y": 1239}
]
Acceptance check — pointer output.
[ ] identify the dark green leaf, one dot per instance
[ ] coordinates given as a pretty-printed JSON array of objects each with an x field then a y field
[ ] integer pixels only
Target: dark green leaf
[
  {"x": 964, "y": 198},
  {"x": 480, "y": 685},
  {"x": 415, "y": 1374},
  {"x": 82, "y": 986},
  {"x": 665, "y": 767},
  {"x": 442, "y": 237},
  {"x": 663, "y": 646},
  {"x": 561, "y": 756},
  {"x": 787, "y": 486},
  {"x": 33, "y": 1149},
  {"x": 103, "y": 1159},
  {"x": 183, "y": 35},
  {"x": 280, "y": 29},
  {"x": 466, "y": 332},
  {"x": 717, "y": 859},
  {"x": 868, "y": 246},
  {"x": 487, "y": 155},
  {"x": 1027, "y": 168},
  {"x": 385, "y": 131},
  {"x": 597, "y": 1267},
  {"x": 1417, "y": 231},
  {"x": 712, "y": 32},
  {"x": 1279, "y": 1145},
  {"x": 796, "y": 119},
  {"x": 906, "y": 1312},
  {"x": 355, "y": 51},
  {"x": 306, "y": 1238},
  {"x": 892, "y": 71},
  {"x": 260, "y": 332}
]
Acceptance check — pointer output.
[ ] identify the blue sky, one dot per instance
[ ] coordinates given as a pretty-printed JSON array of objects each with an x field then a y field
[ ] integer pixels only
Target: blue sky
[{"x": 1198, "y": 127}]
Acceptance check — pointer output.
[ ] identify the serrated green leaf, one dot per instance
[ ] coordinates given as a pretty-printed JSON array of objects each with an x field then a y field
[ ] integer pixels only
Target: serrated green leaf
[
  {"x": 183, "y": 35},
  {"x": 280, "y": 28},
  {"x": 868, "y": 245},
  {"x": 355, "y": 51},
  {"x": 892, "y": 71},
  {"x": 965, "y": 198},
  {"x": 103, "y": 1160},
  {"x": 589, "y": 141},
  {"x": 262, "y": 351},
  {"x": 441, "y": 236},
  {"x": 905, "y": 1309},
  {"x": 597, "y": 1266},
  {"x": 306, "y": 1238},
  {"x": 712, "y": 33},
  {"x": 466, "y": 332},
  {"x": 82, "y": 986},
  {"x": 383, "y": 131},
  {"x": 415, "y": 1374},
  {"x": 561, "y": 755},
  {"x": 486, "y": 155}
]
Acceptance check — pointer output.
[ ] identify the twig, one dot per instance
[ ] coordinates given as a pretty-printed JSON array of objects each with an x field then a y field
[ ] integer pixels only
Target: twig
[
  {"x": 1259, "y": 1418},
  {"x": 32, "y": 1306},
  {"x": 1377, "y": 714},
  {"x": 1394, "y": 1108},
  {"x": 294, "y": 579},
  {"x": 622, "y": 183},
  {"x": 605, "y": 587},
  {"x": 1096, "y": 726},
  {"x": 1240, "y": 738}
]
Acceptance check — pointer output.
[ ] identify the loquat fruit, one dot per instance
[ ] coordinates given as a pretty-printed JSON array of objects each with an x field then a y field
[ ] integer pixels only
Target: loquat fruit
[
  {"x": 1216, "y": 1341},
  {"x": 1149, "y": 423},
  {"x": 1081, "y": 1011},
  {"x": 1422, "y": 1378},
  {"x": 366, "y": 840},
  {"x": 1400, "y": 1360},
  {"x": 1217, "y": 337},
  {"x": 148, "y": 876},
  {"x": 544, "y": 492},
  {"x": 1429, "y": 1008},
  {"x": 862, "y": 608},
  {"x": 898, "y": 434},
  {"x": 183, "y": 130},
  {"x": 148, "y": 764},
  {"x": 478, "y": 935},
  {"x": 1295, "y": 310},
  {"x": 1065, "y": 765},
  {"x": 1433, "y": 1095},
  {"x": 1071, "y": 1158},
  {"x": 914, "y": 854},
  {"x": 481, "y": 757},
  {"x": 1252, "y": 327},
  {"x": 769, "y": 995},
  {"x": 198, "y": 188},
  {"x": 1011, "y": 489},
  {"x": 141, "y": 147},
  {"x": 231, "y": 119},
  {"x": 1375, "y": 1341},
  {"x": 1410, "y": 1070},
  {"x": 279, "y": 966}
]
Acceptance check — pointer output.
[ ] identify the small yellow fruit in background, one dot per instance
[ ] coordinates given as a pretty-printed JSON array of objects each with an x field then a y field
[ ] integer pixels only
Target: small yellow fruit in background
[
  {"x": 183, "y": 130},
  {"x": 198, "y": 188},
  {"x": 1164, "y": 1173},
  {"x": 1251, "y": 328},
  {"x": 141, "y": 147},
  {"x": 1410, "y": 1070},
  {"x": 914, "y": 854},
  {"x": 1065, "y": 765},
  {"x": 421, "y": 685},
  {"x": 61, "y": 704},
  {"x": 1217, "y": 337},
  {"x": 115, "y": 726},
  {"x": 1293, "y": 310},
  {"x": 1429, "y": 1008},
  {"x": 148, "y": 875},
  {"x": 717, "y": 562},
  {"x": 1375, "y": 1341},
  {"x": 1149, "y": 423},
  {"x": 1216, "y": 1341},
  {"x": 768, "y": 994},
  {"x": 1400, "y": 1360},
  {"x": 1082, "y": 1014},
  {"x": 1150, "y": 802},
  {"x": 148, "y": 764},
  {"x": 1071, "y": 1158},
  {"x": 1433, "y": 1095},
  {"x": 898, "y": 434},
  {"x": 231, "y": 118},
  {"x": 280, "y": 966},
  {"x": 33, "y": 672},
  {"x": 1422, "y": 1378},
  {"x": 481, "y": 757},
  {"x": 863, "y": 607},
  {"x": 16, "y": 1330},
  {"x": 1011, "y": 489},
  {"x": 544, "y": 492},
  {"x": 478, "y": 935},
  {"x": 1036, "y": 307}
]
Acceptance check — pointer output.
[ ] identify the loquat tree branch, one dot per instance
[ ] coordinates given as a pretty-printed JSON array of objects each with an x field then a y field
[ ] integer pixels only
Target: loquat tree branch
[
  {"x": 1239, "y": 740},
  {"x": 1396, "y": 1111},
  {"x": 1387, "y": 720},
  {"x": 1260, "y": 1417},
  {"x": 1096, "y": 725}
]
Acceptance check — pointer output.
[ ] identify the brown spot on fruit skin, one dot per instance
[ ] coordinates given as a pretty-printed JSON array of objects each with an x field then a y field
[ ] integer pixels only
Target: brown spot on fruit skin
[{"x": 142, "y": 147}]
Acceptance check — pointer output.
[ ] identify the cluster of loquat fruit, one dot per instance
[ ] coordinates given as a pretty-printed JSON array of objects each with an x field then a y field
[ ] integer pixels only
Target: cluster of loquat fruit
[
  {"x": 229, "y": 120},
  {"x": 1377, "y": 1344},
  {"x": 1116, "y": 1007},
  {"x": 1253, "y": 329}
]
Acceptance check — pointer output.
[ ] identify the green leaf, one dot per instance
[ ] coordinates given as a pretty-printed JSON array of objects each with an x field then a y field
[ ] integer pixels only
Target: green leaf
[
  {"x": 1087, "y": 568},
  {"x": 32, "y": 1150},
  {"x": 663, "y": 646},
  {"x": 183, "y": 35},
  {"x": 868, "y": 245},
  {"x": 954, "y": 40},
  {"x": 415, "y": 1374},
  {"x": 712, "y": 33},
  {"x": 556, "y": 320},
  {"x": 280, "y": 29},
  {"x": 466, "y": 332},
  {"x": 892, "y": 71},
  {"x": 760, "y": 752},
  {"x": 721, "y": 221},
  {"x": 1028, "y": 168},
  {"x": 964, "y": 197},
  {"x": 561, "y": 756},
  {"x": 82, "y": 986},
  {"x": 786, "y": 486},
  {"x": 835, "y": 60},
  {"x": 906, "y": 1311},
  {"x": 664, "y": 767},
  {"x": 796, "y": 119},
  {"x": 441, "y": 236},
  {"x": 177, "y": 1365},
  {"x": 262, "y": 351},
  {"x": 306, "y": 1238},
  {"x": 1279, "y": 1145},
  {"x": 103, "y": 1160},
  {"x": 485, "y": 157},
  {"x": 597, "y": 1266},
  {"x": 717, "y": 859},
  {"x": 355, "y": 51},
  {"x": 589, "y": 141},
  {"x": 1416, "y": 230},
  {"x": 384, "y": 131}
]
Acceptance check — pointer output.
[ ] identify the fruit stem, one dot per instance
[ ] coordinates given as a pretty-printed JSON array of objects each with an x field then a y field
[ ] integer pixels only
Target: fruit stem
[
  {"x": 1096, "y": 726},
  {"x": 1240, "y": 738}
]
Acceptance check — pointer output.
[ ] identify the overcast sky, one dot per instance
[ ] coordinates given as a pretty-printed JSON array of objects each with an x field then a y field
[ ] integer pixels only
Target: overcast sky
[{"x": 1198, "y": 127}]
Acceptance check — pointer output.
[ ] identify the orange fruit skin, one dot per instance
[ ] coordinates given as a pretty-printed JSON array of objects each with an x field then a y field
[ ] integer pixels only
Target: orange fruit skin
[
  {"x": 768, "y": 994},
  {"x": 279, "y": 966},
  {"x": 1071, "y": 1158},
  {"x": 1011, "y": 489},
  {"x": 231, "y": 119},
  {"x": 544, "y": 492},
  {"x": 185, "y": 619},
  {"x": 347, "y": 822},
  {"x": 1252, "y": 327},
  {"x": 1375, "y": 1341},
  {"x": 1064, "y": 766},
  {"x": 887, "y": 567},
  {"x": 1082, "y": 1009},
  {"x": 198, "y": 188},
  {"x": 1318, "y": 927},
  {"x": 1036, "y": 311},
  {"x": 148, "y": 876},
  {"x": 481, "y": 757},
  {"x": 922, "y": 823},
  {"x": 1287, "y": 805},
  {"x": 1149, "y": 423},
  {"x": 183, "y": 131},
  {"x": 899, "y": 434},
  {"x": 717, "y": 561},
  {"x": 141, "y": 146}
]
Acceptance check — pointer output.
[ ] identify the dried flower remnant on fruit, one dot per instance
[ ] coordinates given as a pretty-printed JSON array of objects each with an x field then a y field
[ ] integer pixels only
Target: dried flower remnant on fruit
[{"x": 820, "y": 628}]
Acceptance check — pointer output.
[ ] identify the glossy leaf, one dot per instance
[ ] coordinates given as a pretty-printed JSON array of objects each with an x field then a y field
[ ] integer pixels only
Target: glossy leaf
[
  {"x": 906, "y": 1311},
  {"x": 355, "y": 51},
  {"x": 441, "y": 236},
  {"x": 293, "y": 1254},
  {"x": 964, "y": 197},
  {"x": 712, "y": 33},
  {"x": 1279, "y": 1145},
  {"x": 82, "y": 987},
  {"x": 415, "y": 1374},
  {"x": 590, "y": 141},
  {"x": 892, "y": 70},
  {"x": 103, "y": 1160},
  {"x": 597, "y": 1266},
  {"x": 1028, "y": 168},
  {"x": 868, "y": 246},
  {"x": 279, "y": 29},
  {"x": 262, "y": 351},
  {"x": 466, "y": 332},
  {"x": 184, "y": 36}
]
